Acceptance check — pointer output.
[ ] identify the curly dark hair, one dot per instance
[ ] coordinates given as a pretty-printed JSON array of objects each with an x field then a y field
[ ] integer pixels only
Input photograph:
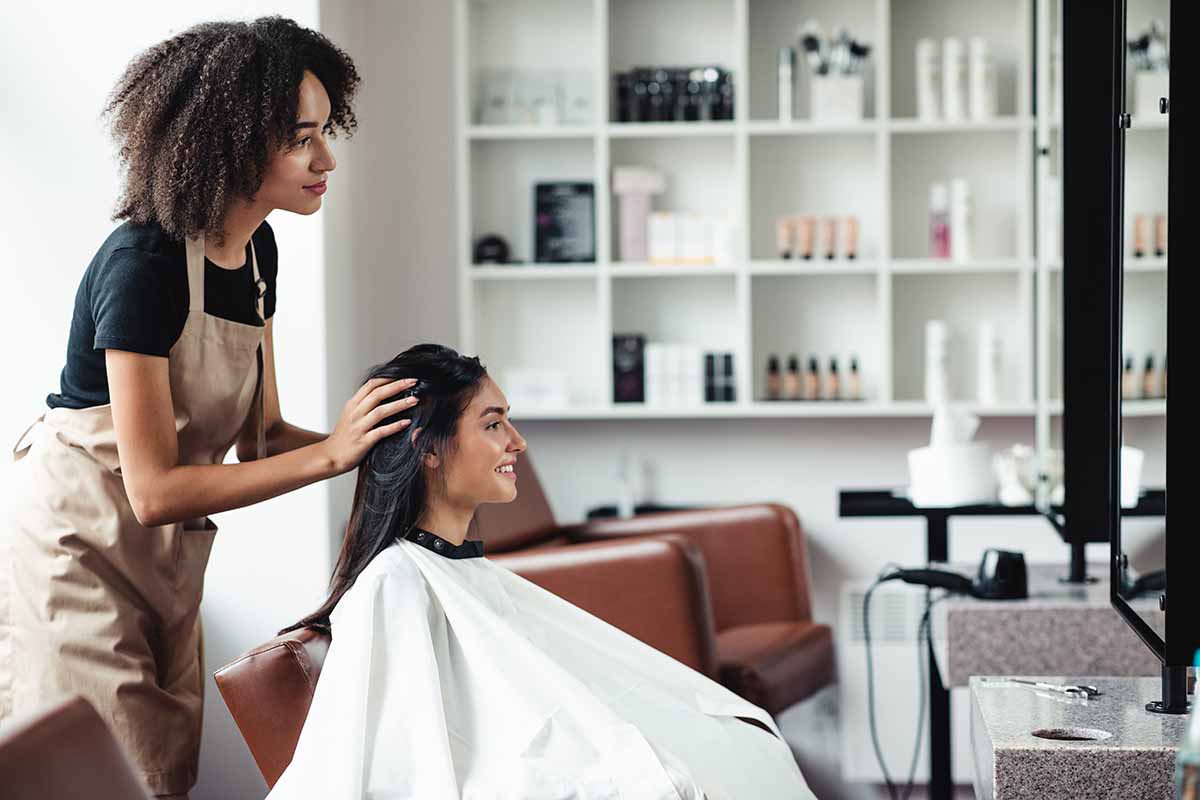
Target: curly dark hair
[{"x": 197, "y": 117}]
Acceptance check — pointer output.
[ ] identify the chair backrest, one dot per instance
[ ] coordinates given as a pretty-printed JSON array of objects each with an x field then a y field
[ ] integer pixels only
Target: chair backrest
[
  {"x": 63, "y": 752},
  {"x": 525, "y": 522},
  {"x": 268, "y": 691}
]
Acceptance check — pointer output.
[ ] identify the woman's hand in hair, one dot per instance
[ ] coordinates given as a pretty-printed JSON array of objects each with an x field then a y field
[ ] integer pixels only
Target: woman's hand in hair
[{"x": 358, "y": 429}]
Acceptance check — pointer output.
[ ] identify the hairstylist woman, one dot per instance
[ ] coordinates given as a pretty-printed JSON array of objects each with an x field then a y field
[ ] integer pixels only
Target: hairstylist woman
[{"x": 169, "y": 365}]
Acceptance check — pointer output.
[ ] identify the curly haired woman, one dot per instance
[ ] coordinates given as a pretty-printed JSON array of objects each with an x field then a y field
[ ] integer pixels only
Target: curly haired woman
[{"x": 170, "y": 365}]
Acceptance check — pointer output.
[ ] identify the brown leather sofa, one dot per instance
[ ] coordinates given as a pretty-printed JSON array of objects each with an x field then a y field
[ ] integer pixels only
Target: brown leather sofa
[
  {"x": 64, "y": 752},
  {"x": 769, "y": 649},
  {"x": 269, "y": 689}
]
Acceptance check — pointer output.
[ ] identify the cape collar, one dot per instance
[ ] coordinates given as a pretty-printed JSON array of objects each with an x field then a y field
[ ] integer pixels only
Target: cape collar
[{"x": 470, "y": 548}]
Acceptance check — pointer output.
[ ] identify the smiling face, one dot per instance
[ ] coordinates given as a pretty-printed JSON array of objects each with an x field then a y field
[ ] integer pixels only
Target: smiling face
[
  {"x": 486, "y": 446},
  {"x": 295, "y": 176}
]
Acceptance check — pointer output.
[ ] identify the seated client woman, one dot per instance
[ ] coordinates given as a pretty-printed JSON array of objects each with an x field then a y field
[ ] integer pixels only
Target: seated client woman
[{"x": 450, "y": 676}]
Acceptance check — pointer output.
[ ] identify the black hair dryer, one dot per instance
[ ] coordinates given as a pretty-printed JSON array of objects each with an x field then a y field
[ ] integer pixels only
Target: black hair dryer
[{"x": 1002, "y": 576}]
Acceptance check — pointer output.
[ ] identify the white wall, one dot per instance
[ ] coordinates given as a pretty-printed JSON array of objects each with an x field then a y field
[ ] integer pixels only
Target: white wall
[{"x": 270, "y": 563}]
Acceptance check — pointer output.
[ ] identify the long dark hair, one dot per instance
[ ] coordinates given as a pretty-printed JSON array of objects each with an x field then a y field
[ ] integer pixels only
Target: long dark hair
[{"x": 392, "y": 491}]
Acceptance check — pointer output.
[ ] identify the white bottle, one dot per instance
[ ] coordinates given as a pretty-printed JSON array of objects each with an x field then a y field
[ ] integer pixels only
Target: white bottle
[
  {"x": 929, "y": 94},
  {"x": 954, "y": 80},
  {"x": 787, "y": 63},
  {"x": 937, "y": 366},
  {"x": 988, "y": 365},
  {"x": 960, "y": 220},
  {"x": 982, "y": 74}
]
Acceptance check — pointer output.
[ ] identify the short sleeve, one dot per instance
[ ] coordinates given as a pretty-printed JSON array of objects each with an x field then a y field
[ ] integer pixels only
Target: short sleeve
[{"x": 132, "y": 304}]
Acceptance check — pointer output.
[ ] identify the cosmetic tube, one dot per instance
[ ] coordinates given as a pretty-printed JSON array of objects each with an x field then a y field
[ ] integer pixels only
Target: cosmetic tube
[
  {"x": 1139, "y": 235},
  {"x": 829, "y": 237},
  {"x": 939, "y": 221},
  {"x": 804, "y": 233},
  {"x": 783, "y": 236},
  {"x": 851, "y": 243},
  {"x": 982, "y": 76}
]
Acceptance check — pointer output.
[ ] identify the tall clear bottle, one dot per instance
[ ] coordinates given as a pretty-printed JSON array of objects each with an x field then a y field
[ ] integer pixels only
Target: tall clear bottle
[{"x": 1187, "y": 763}]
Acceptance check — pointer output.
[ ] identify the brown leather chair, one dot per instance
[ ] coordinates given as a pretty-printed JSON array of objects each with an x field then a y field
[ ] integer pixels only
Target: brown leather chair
[
  {"x": 770, "y": 650},
  {"x": 65, "y": 752},
  {"x": 269, "y": 689}
]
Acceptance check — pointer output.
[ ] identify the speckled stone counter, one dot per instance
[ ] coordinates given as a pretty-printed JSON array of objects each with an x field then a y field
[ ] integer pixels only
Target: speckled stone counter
[
  {"x": 1130, "y": 753},
  {"x": 1060, "y": 628}
]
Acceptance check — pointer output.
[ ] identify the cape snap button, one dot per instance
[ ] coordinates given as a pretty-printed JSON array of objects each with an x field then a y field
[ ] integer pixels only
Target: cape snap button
[{"x": 438, "y": 544}]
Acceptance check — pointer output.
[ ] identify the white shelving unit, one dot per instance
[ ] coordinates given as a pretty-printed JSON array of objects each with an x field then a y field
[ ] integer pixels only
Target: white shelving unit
[{"x": 754, "y": 167}]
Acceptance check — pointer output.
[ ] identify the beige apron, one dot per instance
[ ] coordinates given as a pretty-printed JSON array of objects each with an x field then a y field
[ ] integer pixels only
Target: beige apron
[{"x": 97, "y": 604}]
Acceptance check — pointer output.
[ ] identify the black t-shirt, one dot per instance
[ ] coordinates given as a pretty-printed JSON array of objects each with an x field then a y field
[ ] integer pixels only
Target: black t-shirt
[{"x": 134, "y": 297}]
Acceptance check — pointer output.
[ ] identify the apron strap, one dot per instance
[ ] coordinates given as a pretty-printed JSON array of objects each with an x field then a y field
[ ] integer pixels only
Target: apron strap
[
  {"x": 18, "y": 449},
  {"x": 260, "y": 400},
  {"x": 195, "y": 270}
]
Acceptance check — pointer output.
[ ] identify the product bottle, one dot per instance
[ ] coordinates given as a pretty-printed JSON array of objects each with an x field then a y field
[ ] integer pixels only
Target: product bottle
[
  {"x": 774, "y": 379},
  {"x": 1148, "y": 381},
  {"x": 791, "y": 381},
  {"x": 1139, "y": 235},
  {"x": 1160, "y": 235},
  {"x": 812, "y": 380},
  {"x": 854, "y": 381},
  {"x": 829, "y": 237},
  {"x": 833, "y": 387},
  {"x": 1127, "y": 388},
  {"x": 954, "y": 84},
  {"x": 988, "y": 364},
  {"x": 804, "y": 236},
  {"x": 982, "y": 75},
  {"x": 1187, "y": 762},
  {"x": 939, "y": 221},
  {"x": 851, "y": 243},
  {"x": 787, "y": 63},
  {"x": 937, "y": 366},
  {"x": 783, "y": 237},
  {"x": 929, "y": 87},
  {"x": 960, "y": 220}
]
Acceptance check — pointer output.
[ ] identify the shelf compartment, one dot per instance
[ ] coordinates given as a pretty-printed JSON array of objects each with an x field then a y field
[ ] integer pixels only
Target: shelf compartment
[
  {"x": 503, "y": 176},
  {"x": 543, "y": 324},
  {"x": 962, "y": 302},
  {"x": 773, "y": 24},
  {"x": 823, "y": 316},
  {"x": 697, "y": 310},
  {"x": 667, "y": 33},
  {"x": 1006, "y": 25},
  {"x": 552, "y": 37},
  {"x": 990, "y": 163},
  {"x": 815, "y": 175}
]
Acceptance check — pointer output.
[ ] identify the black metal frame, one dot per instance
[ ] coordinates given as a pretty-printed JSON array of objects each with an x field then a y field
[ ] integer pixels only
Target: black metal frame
[{"x": 1094, "y": 123}]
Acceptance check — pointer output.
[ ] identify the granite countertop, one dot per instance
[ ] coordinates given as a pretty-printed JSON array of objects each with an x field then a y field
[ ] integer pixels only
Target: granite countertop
[
  {"x": 1060, "y": 628},
  {"x": 1127, "y": 752}
]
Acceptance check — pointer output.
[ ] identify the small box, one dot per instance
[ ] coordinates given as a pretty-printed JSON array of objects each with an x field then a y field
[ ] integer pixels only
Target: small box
[
  {"x": 662, "y": 236},
  {"x": 837, "y": 98},
  {"x": 629, "y": 368},
  {"x": 527, "y": 388}
]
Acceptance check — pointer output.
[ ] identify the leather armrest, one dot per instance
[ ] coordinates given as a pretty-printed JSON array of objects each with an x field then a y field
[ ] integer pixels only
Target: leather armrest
[
  {"x": 754, "y": 556},
  {"x": 656, "y": 590}
]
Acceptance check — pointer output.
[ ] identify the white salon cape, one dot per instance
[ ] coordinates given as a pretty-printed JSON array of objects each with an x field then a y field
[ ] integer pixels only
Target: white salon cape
[{"x": 452, "y": 678}]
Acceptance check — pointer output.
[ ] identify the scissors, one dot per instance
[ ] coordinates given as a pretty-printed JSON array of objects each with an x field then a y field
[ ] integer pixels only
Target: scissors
[{"x": 1077, "y": 690}]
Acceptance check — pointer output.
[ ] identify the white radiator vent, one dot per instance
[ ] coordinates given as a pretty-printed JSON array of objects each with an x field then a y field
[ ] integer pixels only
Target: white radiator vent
[{"x": 895, "y": 614}]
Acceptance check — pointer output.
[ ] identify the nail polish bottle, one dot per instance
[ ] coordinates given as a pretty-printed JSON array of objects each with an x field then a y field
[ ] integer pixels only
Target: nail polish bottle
[
  {"x": 1148, "y": 381},
  {"x": 812, "y": 380},
  {"x": 853, "y": 381},
  {"x": 791, "y": 381},
  {"x": 774, "y": 379},
  {"x": 1127, "y": 388},
  {"x": 833, "y": 386}
]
